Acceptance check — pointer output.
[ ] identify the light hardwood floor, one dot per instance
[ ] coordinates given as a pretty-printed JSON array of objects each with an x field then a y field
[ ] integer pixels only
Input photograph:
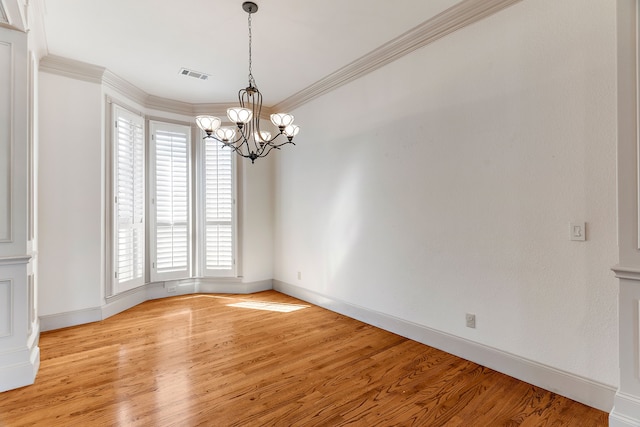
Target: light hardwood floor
[{"x": 199, "y": 360}]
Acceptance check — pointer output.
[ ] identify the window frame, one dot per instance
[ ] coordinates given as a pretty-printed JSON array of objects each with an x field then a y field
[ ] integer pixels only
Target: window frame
[
  {"x": 118, "y": 287},
  {"x": 154, "y": 275},
  {"x": 201, "y": 204}
]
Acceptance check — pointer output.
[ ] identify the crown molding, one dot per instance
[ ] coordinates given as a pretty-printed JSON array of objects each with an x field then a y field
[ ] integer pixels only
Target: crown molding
[
  {"x": 213, "y": 109},
  {"x": 169, "y": 105},
  {"x": 71, "y": 68},
  {"x": 12, "y": 14},
  {"x": 456, "y": 17},
  {"x": 3, "y": 15},
  {"x": 94, "y": 74},
  {"x": 123, "y": 87},
  {"x": 459, "y": 16}
]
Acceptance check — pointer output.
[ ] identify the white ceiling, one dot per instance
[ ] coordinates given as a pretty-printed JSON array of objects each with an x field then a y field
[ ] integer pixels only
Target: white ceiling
[{"x": 295, "y": 42}]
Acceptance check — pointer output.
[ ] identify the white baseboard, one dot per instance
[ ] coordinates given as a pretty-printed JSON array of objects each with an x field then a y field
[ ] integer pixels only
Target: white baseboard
[
  {"x": 126, "y": 300},
  {"x": 234, "y": 288},
  {"x": 583, "y": 390},
  {"x": 22, "y": 373},
  {"x": 70, "y": 318},
  {"x": 626, "y": 411}
]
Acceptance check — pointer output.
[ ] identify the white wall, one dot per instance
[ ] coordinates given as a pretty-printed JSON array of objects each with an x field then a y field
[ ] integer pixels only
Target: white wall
[
  {"x": 444, "y": 184},
  {"x": 70, "y": 194},
  {"x": 257, "y": 219}
]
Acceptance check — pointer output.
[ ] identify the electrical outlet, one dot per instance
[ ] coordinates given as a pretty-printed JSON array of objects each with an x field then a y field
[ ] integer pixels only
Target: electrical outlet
[
  {"x": 471, "y": 320},
  {"x": 299, "y": 275},
  {"x": 171, "y": 289}
]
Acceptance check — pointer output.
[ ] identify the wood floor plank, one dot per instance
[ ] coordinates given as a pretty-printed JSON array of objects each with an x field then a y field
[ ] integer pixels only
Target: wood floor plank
[{"x": 211, "y": 360}]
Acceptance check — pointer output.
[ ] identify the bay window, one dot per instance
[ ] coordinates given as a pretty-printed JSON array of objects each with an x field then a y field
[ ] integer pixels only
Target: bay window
[{"x": 174, "y": 204}]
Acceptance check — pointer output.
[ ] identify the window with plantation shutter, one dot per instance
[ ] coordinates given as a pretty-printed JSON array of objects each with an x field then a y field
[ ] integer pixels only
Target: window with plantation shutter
[
  {"x": 219, "y": 210},
  {"x": 129, "y": 196},
  {"x": 170, "y": 201}
]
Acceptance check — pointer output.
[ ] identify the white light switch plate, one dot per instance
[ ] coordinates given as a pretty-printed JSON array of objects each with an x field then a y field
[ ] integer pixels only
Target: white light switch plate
[{"x": 578, "y": 231}]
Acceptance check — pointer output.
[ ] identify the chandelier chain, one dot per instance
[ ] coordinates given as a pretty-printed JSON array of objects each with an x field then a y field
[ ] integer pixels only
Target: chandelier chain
[{"x": 252, "y": 82}]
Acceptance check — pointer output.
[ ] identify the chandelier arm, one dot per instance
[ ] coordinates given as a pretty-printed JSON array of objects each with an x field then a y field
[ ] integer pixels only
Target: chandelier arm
[
  {"x": 231, "y": 146},
  {"x": 257, "y": 105},
  {"x": 273, "y": 139},
  {"x": 242, "y": 132},
  {"x": 263, "y": 154},
  {"x": 286, "y": 141},
  {"x": 246, "y": 99},
  {"x": 238, "y": 149},
  {"x": 244, "y": 142},
  {"x": 248, "y": 140}
]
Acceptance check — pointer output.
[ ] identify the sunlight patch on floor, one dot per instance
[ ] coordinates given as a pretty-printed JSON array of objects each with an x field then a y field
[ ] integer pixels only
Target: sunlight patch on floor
[{"x": 268, "y": 306}]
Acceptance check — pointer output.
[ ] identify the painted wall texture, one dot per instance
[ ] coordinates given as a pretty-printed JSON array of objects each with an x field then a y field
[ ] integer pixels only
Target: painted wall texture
[
  {"x": 444, "y": 184},
  {"x": 70, "y": 194}
]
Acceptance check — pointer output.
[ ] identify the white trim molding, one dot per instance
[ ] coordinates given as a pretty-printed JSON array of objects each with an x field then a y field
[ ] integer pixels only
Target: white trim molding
[
  {"x": 3, "y": 15},
  {"x": 626, "y": 411},
  {"x": 83, "y": 71},
  {"x": 71, "y": 68},
  {"x": 70, "y": 318},
  {"x": 18, "y": 367},
  {"x": 583, "y": 390},
  {"x": 123, "y": 87},
  {"x": 124, "y": 301},
  {"x": 14, "y": 14},
  {"x": 628, "y": 273},
  {"x": 6, "y": 324},
  {"x": 624, "y": 405},
  {"x": 229, "y": 287},
  {"x": 456, "y": 17},
  {"x": 14, "y": 260},
  {"x": 7, "y": 148}
]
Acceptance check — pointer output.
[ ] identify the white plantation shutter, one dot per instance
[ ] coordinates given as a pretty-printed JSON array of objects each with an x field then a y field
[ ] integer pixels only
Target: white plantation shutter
[
  {"x": 170, "y": 201},
  {"x": 219, "y": 209},
  {"x": 129, "y": 195}
]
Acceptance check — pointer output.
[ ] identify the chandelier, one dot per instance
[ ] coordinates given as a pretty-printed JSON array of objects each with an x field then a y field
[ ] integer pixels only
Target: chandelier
[{"x": 246, "y": 138}]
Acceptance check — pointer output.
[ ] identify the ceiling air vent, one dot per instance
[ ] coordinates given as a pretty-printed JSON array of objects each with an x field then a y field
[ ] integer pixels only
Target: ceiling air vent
[{"x": 194, "y": 74}]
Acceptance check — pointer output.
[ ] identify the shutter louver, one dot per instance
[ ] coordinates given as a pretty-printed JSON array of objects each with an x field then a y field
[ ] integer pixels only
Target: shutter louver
[
  {"x": 171, "y": 202},
  {"x": 219, "y": 209},
  {"x": 129, "y": 192}
]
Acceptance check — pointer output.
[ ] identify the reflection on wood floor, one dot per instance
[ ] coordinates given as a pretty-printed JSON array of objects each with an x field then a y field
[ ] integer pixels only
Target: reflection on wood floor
[{"x": 265, "y": 360}]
